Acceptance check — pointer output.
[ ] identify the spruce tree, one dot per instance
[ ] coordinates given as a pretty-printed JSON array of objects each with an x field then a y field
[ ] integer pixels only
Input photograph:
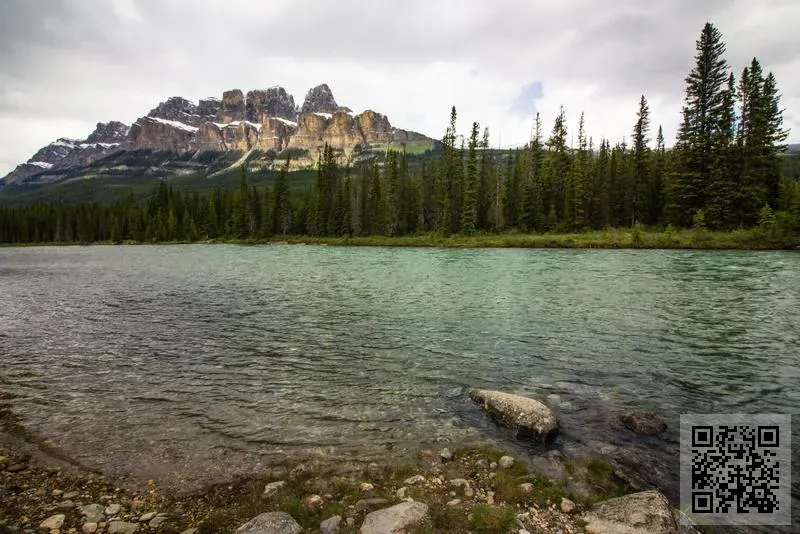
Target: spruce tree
[
  {"x": 641, "y": 162},
  {"x": 469, "y": 202},
  {"x": 703, "y": 107}
]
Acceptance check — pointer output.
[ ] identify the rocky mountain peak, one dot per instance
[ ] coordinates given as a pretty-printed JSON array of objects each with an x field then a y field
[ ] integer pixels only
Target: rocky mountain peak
[
  {"x": 175, "y": 108},
  {"x": 319, "y": 99},
  {"x": 108, "y": 132}
]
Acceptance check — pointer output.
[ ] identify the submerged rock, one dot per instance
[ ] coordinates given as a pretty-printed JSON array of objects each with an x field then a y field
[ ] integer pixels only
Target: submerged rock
[
  {"x": 93, "y": 513},
  {"x": 644, "y": 423},
  {"x": 270, "y": 523},
  {"x": 647, "y": 512},
  {"x": 527, "y": 416},
  {"x": 394, "y": 520}
]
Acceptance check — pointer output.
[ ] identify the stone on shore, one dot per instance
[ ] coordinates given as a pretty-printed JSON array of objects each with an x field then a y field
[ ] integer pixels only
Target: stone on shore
[
  {"x": 416, "y": 479},
  {"x": 273, "y": 487},
  {"x": 396, "y": 519},
  {"x": 646, "y": 512},
  {"x": 93, "y": 513},
  {"x": 53, "y": 522},
  {"x": 144, "y": 518},
  {"x": 113, "y": 509},
  {"x": 567, "y": 506},
  {"x": 89, "y": 528},
  {"x": 157, "y": 521},
  {"x": 505, "y": 462},
  {"x": 122, "y": 527},
  {"x": 330, "y": 525},
  {"x": 527, "y": 416},
  {"x": 270, "y": 523},
  {"x": 644, "y": 423},
  {"x": 445, "y": 455}
]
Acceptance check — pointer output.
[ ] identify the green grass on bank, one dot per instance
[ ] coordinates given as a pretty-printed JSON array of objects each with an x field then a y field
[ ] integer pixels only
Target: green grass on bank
[{"x": 749, "y": 239}]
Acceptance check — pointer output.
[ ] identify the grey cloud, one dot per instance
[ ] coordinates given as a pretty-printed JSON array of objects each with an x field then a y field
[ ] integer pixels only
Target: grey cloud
[{"x": 84, "y": 61}]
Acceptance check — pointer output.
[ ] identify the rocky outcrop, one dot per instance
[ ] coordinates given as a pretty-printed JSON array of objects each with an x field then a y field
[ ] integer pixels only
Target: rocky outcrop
[
  {"x": 281, "y": 104},
  {"x": 375, "y": 127},
  {"x": 320, "y": 99},
  {"x": 276, "y": 133},
  {"x": 644, "y": 423},
  {"x": 647, "y": 512},
  {"x": 270, "y": 523},
  {"x": 176, "y": 108},
  {"x": 396, "y": 519},
  {"x": 240, "y": 135},
  {"x": 208, "y": 108},
  {"x": 529, "y": 417},
  {"x": 233, "y": 106},
  {"x": 154, "y": 133},
  {"x": 108, "y": 132}
]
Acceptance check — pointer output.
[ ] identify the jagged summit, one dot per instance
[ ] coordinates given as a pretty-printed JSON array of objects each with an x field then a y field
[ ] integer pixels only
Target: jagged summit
[
  {"x": 267, "y": 120},
  {"x": 319, "y": 99}
]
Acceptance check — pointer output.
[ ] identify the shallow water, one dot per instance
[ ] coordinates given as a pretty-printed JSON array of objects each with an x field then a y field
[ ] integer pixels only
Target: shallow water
[{"x": 192, "y": 364}]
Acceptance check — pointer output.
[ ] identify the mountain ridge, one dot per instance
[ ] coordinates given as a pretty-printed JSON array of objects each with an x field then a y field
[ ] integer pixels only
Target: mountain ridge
[{"x": 264, "y": 120}]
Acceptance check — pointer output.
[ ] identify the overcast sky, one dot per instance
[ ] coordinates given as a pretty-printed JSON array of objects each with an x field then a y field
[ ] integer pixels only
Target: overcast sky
[{"x": 67, "y": 64}]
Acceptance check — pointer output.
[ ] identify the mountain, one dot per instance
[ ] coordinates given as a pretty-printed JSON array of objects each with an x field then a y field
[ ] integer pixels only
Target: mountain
[{"x": 259, "y": 127}]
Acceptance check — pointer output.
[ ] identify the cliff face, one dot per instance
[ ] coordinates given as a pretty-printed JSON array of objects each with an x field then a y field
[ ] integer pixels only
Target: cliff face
[{"x": 264, "y": 119}]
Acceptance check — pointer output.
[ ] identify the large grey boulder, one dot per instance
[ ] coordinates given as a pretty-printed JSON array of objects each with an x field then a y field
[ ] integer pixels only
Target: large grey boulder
[
  {"x": 270, "y": 523},
  {"x": 394, "y": 520},
  {"x": 646, "y": 512},
  {"x": 527, "y": 416}
]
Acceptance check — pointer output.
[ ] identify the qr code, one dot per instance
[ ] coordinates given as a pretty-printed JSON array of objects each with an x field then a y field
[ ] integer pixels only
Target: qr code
[{"x": 736, "y": 469}]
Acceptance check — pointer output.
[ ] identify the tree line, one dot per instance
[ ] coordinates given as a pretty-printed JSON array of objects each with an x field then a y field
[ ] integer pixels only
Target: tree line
[{"x": 723, "y": 173}]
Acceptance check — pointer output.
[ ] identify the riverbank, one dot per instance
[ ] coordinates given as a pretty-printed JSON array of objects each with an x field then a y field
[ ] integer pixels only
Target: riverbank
[
  {"x": 626, "y": 238},
  {"x": 475, "y": 489}
]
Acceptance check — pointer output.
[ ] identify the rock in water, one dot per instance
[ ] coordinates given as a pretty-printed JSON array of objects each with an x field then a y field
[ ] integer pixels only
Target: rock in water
[
  {"x": 396, "y": 519},
  {"x": 270, "y": 523},
  {"x": 647, "y": 512},
  {"x": 53, "y": 522},
  {"x": 330, "y": 525},
  {"x": 528, "y": 416},
  {"x": 644, "y": 423}
]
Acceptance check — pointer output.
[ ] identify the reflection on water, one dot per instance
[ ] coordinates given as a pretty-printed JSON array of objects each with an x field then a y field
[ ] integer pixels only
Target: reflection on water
[{"x": 195, "y": 363}]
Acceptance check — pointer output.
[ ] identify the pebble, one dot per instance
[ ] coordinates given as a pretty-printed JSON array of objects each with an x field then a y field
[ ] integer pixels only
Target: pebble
[
  {"x": 273, "y": 487},
  {"x": 137, "y": 504},
  {"x": 68, "y": 496},
  {"x": 157, "y": 520},
  {"x": 490, "y": 497},
  {"x": 493, "y": 465},
  {"x": 506, "y": 462},
  {"x": 113, "y": 509},
  {"x": 92, "y": 512},
  {"x": 482, "y": 464},
  {"x": 17, "y": 468},
  {"x": 57, "y": 493},
  {"x": 122, "y": 527},
  {"x": 147, "y": 517},
  {"x": 567, "y": 506},
  {"x": 459, "y": 482},
  {"x": 313, "y": 501},
  {"x": 366, "y": 486},
  {"x": 454, "y": 502},
  {"x": 468, "y": 492},
  {"x": 53, "y": 522},
  {"x": 416, "y": 479},
  {"x": 527, "y": 487},
  {"x": 89, "y": 528},
  {"x": 401, "y": 493},
  {"x": 445, "y": 455},
  {"x": 492, "y": 475}
]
